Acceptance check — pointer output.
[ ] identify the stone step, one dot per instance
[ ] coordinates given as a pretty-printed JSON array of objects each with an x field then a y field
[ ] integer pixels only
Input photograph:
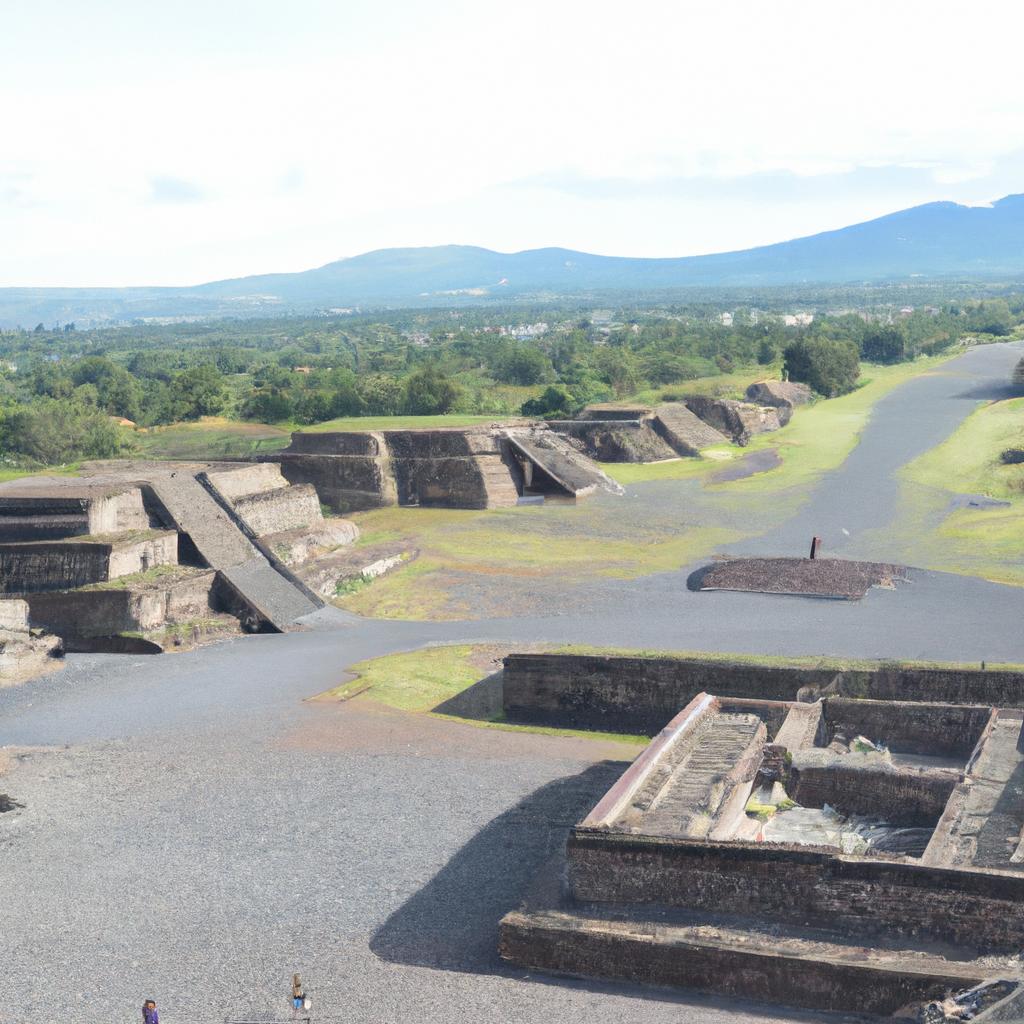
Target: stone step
[{"x": 792, "y": 967}]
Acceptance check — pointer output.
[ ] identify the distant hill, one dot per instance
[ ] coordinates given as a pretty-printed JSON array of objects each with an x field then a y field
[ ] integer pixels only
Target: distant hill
[{"x": 935, "y": 240}]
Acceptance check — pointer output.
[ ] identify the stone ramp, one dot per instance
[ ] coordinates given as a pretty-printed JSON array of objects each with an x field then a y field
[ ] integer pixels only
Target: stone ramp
[
  {"x": 192, "y": 510},
  {"x": 685, "y": 432},
  {"x": 260, "y": 592},
  {"x": 557, "y": 460},
  {"x": 686, "y": 801},
  {"x": 273, "y": 598},
  {"x": 789, "y": 966}
]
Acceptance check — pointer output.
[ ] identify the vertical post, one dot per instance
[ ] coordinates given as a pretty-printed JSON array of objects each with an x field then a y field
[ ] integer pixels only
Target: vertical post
[{"x": 815, "y": 546}]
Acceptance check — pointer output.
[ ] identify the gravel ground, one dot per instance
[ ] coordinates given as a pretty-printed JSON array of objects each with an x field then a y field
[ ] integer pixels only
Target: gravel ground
[{"x": 193, "y": 831}]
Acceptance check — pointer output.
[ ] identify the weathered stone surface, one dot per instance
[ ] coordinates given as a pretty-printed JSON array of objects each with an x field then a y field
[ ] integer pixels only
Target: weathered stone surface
[
  {"x": 136, "y": 607},
  {"x": 248, "y": 478},
  {"x": 684, "y": 431},
  {"x": 552, "y": 465},
  {"x": 292, "y": 507},
  {"x": 14, "y": 615},
  {"x": 783, "y": 395},
  {"x": 712, "y": 956},
  {"x": 617, "y": 440},
  {"x": 293, "y": 547},
  {"x": 476, "y": 467},
  {"x": 37, "y": 509},
  {"x": 737, "y": 420},
  {"x": 637, "y": 694},
  {"x": 65, "y": 564}
]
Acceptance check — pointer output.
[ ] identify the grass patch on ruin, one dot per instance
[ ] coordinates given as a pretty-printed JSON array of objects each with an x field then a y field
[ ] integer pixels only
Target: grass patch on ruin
[
  {"x": 548, "y": 543},
  {"x": 818, "y": 438},
  {"x": 211, "y": 437},
  {"x": 775, "y": 660},
  {"x": 404, "y": 422},
  {"x": 419, "y": 681},
  {"x": 158, "y": 574}
]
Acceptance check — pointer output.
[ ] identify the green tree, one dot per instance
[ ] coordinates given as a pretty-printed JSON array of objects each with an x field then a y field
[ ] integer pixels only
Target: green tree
[
  {"x": 428, "y": 392},
  {"x": 884, "y": 345},
  {"x": 198, "y": 391},
  {"x": 556, "y": 402},
  {"x": 830, "y": 367}
]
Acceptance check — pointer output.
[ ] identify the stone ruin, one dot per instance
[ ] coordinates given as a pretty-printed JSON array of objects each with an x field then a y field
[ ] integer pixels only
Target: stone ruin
[
  {"x": 832, "y": 852},
  {"x": 112, "y": 561},
  {"x": 472, "y": 467},
  {"x": 615, "y": 433}
]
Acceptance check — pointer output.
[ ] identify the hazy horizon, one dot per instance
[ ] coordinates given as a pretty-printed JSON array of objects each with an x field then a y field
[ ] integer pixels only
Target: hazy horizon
[{"x": 170, "y": 148}]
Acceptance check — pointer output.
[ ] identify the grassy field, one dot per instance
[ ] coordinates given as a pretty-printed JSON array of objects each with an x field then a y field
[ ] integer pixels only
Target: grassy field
[
  {"x": 402, "y": 422},
  {"x": 212, "y": 437},
  {"x": 976, "y": 541},
  {"x": 819, "y": 438},
  {"x": 505, "y": 549},
  {"x": 419, "y": 681}
]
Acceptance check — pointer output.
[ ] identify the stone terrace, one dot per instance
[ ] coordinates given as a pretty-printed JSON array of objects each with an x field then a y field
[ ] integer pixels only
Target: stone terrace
[{"x": 772, "y": 850}]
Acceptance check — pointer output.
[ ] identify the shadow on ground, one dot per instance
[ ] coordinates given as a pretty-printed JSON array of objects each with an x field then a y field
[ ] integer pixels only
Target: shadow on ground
[
  {"x": 452, "y": 922},
  {"x": 481, "y": 702}
]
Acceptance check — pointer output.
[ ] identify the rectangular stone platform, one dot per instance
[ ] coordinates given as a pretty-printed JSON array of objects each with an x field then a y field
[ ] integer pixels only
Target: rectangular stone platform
[{"x": 753, "y": 849}]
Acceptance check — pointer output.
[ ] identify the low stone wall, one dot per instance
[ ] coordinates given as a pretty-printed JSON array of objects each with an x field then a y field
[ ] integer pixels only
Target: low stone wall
[
  {"x": 346, "y": 484},
  {"x": 63, "y": 565},
  {"x": 902, "y": 796},
  {"x": 800, "y": 885},
  {"x": 98, "y": 612},
  {"x": 627, "y": 693},
  {"x": 247, "y": 479},
  {"x": 946, "y": 730},
  {"x": 561, "y": 944},
  {"x": 284, "y": 508}
]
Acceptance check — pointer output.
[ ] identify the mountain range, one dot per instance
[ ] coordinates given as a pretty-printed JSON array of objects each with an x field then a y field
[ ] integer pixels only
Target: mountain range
[{"x": 933, "y": 241}]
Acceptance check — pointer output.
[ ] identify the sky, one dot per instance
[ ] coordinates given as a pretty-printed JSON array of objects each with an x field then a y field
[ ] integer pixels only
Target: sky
[{"x": 169, "y": 144}]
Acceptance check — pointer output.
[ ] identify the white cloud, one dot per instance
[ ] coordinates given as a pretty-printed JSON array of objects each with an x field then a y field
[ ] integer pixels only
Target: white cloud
[{"x": 318, "y": 130}]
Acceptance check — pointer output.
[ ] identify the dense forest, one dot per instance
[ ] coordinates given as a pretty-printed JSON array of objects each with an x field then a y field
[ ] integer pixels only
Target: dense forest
[{"x": 62, "y": 391}]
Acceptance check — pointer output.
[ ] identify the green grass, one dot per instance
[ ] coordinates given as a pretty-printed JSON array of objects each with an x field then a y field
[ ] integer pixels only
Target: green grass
[
  {"x": 773, "y": 660},
  {"x": 211, "y": 437},
  {"x": 419, "y": 681},
  {"x": 403, "y": 422},
  {"x": 157, "y": 574},
  {"x": 819, "y": 438},
  {"x": 17, "y": 472},
  {"x": 515, "y": 543},
  {"x": 967, "y": 462},
  {"x": 986, "y": 542}
]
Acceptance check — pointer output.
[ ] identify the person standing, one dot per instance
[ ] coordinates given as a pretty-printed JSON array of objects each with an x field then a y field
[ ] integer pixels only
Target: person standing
[{"x": 149, "y": 1012}]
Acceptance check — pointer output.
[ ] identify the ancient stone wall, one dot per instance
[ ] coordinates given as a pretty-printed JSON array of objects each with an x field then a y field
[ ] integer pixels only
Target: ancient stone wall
[
  {"x": 550, "y": 943},
  {"x": 946, "y": 730},
  {"x": 901, "y": 796},
  {"x": 616, "y": 440},
  {"x": 98, "y": 612},
  {"x": 282, "y": 508},
  {"x": 638, "y": 694},
  {"x": 800, "y": 885},
  {"x": 63, "y": 565},
  {"x": 737, "y": 420}
]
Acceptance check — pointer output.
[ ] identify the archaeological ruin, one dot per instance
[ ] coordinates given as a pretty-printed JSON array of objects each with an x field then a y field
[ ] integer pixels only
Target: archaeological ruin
[
  {"x": 619, "y": 433},
  {"x": 834, "y": 839},
  {"x": 134, "y": 549},
  {"x": 452, "y": 467}
]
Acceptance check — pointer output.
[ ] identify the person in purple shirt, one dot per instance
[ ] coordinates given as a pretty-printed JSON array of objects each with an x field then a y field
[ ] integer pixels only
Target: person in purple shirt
[{"x": 149, "y": 1012}]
